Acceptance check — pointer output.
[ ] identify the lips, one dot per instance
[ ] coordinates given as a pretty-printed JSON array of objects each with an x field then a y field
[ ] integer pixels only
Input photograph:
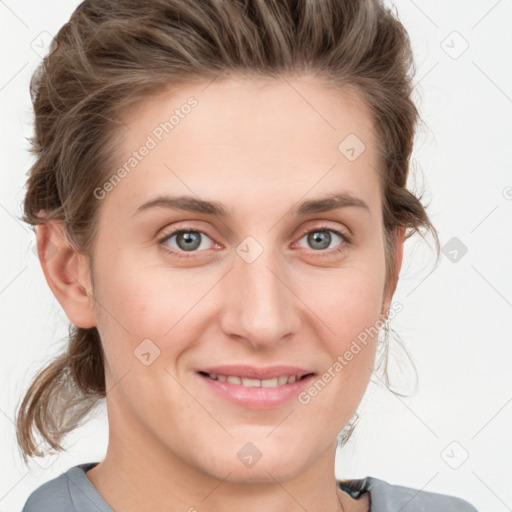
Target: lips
[{"x": 256, "y": 388}]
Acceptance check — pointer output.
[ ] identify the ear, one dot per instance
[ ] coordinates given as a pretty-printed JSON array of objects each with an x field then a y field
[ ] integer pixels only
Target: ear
[
  {"x": 398, "y": 257},
  {"x": 67, "y": 273}
]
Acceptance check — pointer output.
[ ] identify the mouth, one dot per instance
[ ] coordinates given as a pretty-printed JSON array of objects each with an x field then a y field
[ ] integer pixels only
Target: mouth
[
  {"x": 247, "y": 382},
  {"x": 256, "y": 388}
]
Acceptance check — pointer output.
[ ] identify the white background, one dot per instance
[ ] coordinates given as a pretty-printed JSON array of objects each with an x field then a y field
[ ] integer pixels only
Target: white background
[{"x": 457, "y": 317}]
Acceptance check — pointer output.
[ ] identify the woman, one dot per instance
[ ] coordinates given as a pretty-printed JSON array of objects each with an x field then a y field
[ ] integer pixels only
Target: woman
[{"x": 221, "y": 207}]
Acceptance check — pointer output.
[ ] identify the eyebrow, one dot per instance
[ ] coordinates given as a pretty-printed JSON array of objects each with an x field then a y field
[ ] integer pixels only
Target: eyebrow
[{"x": 195, "y": 205}]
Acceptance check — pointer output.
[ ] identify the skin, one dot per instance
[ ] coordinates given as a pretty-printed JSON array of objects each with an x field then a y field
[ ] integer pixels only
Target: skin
[{"x": 259, "y": 148}]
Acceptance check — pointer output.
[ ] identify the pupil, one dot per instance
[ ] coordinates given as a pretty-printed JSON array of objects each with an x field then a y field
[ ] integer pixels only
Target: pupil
[
  {"x": 317, "y": 236},
  {"x": 191, "y": 240}
]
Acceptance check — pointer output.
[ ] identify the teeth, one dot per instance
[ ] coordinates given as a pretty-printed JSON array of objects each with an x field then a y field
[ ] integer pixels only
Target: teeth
[
  {"x": 255, "y": 383},
  {"x": 251, "y": 383}
]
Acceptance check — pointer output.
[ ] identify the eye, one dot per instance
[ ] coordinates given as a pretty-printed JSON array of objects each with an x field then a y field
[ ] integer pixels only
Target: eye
[
  {"x": 320, "y": 239},
  {"x": 189, "y": 240},
  {"x": 185, "y": 240}
]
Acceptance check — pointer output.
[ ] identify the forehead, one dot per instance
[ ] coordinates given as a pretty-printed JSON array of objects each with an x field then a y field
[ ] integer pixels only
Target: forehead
[
  {"x": 242, "y": 105},
  {"x": 257, "y": 136}
]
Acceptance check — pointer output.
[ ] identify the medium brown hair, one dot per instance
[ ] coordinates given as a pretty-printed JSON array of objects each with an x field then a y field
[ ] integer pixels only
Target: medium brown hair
[{"x": 114, "y": 53}]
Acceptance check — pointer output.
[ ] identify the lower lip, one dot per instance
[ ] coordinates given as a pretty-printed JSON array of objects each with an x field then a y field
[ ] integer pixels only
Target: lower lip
[{"x": 258, "y": 398}]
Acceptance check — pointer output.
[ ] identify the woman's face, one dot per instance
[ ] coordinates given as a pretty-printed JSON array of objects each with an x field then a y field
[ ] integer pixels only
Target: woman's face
[{"x": 280, "y": 283}]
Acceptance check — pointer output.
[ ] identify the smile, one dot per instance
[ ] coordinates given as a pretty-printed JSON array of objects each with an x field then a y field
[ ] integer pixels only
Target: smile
[
  {"x": 256, "y": 383},
  {"x": 256, "y": 388}
]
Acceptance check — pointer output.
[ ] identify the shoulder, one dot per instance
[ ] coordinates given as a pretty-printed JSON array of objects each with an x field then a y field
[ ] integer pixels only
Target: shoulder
[
  {"x": 52, "y": 495},
  {"x": 389, "y": 497},
  {"x": 72, "y": 491}
]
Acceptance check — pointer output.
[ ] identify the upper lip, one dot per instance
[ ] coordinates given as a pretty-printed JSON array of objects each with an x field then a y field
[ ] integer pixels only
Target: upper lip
[{"x": 252, "y": 372}]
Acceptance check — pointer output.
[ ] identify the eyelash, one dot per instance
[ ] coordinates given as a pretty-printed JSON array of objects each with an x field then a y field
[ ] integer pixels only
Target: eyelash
[{"x": 346, "y": 241}]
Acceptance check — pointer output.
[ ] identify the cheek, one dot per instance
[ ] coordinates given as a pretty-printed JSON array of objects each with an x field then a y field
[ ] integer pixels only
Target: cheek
[
  {"x": 148, "y": 303},
  {"x": 347, "y": 301},
  {"x": 129, "y": 312},
  {"x": 350, "y": 311}
]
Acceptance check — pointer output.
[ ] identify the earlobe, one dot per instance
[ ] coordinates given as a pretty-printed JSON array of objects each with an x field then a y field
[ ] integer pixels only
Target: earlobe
[{"x": 67, "y": 273}]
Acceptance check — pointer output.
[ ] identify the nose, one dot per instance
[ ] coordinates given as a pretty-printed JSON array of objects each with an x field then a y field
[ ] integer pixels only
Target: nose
[{"x": 260, "y": 306}]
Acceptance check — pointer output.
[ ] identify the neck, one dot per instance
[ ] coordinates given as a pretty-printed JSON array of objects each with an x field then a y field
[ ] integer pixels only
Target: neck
[{"x": 138, "y": 473}]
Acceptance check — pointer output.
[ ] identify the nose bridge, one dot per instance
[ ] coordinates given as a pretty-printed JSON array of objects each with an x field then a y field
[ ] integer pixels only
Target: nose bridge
[{"x": 260, "y": 304}]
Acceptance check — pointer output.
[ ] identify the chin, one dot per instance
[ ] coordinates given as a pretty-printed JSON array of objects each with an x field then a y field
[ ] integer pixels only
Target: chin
[
  {"x": 263, "y": 472},
  {"x": 261, "y": 461}
]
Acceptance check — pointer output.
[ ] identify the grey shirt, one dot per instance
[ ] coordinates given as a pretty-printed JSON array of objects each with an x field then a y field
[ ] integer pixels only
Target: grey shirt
[{"x": 73, "y": 492}]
